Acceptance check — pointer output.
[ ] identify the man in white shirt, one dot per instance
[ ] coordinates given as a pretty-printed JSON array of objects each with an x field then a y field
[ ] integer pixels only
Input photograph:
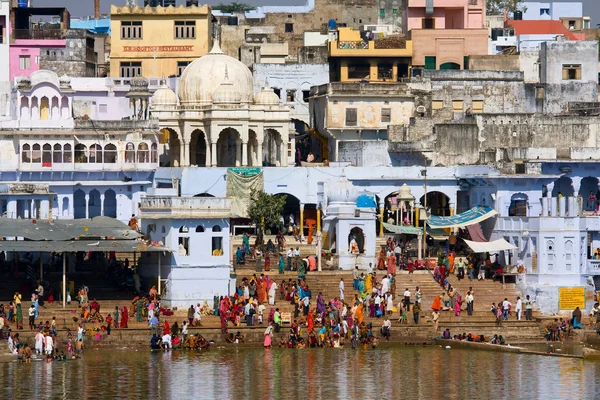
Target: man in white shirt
[
  {"x": 469, "y": 300},
  {"x": 528, "y": 308},
  {"x": 519, "y": 308},
  {"x": 341, "y": 286},
  {"x": 289, "y": 255},
  {"x": 407, "y": 300},
  {"x": 261, "y": 310},
  {"x": 166, "y": 341},
  {"x": 505, "y": 305},
  {"x": 386, "y": 328},
  {"x": 397, "y": 252},
  {"x": 370, "y": 269}
]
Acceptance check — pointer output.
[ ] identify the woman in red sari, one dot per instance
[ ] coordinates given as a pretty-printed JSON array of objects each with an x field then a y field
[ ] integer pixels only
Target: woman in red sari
[
  {"x": 310, "y": 322},
  {"x": 167, "y": 328},
  {"x": 124, "y": 317},
  {"x": 268, "y": 261},
  {"x": 381, "y": 261}
]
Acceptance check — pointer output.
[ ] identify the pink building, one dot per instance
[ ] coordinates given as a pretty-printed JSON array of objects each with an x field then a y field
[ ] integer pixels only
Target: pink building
[
  {"x": 443, "y": 14},
  {"x": 445, "y": 32},
  {"x": 30, "y": 41}
]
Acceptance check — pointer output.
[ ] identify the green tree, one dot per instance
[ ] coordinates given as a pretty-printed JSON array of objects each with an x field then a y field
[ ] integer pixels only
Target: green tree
[
  {"x": 265, "y": 209},
  {"x": 498, "y": 7},
  {"x": 233, "y": 7}
]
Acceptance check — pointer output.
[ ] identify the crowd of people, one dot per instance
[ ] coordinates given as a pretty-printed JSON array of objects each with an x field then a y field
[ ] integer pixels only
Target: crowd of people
[{"x": 471, "y": 337}]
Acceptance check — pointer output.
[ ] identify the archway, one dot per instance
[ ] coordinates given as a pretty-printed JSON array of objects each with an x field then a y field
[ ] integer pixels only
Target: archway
[
  {"x": 438, "y": 203},
  {"x": 564, "y": 186},
  {"x": 44, "y": 108},
  {"x": 198, "y": 148},
  {"x": 54, "y": 111},
  {"x": 271, "y": 148},
  {"x": 450, "y": 65},
  {"x": 291, "y": 210},
  {"x": 35, "y": 108},
  {"x": 229, "y": 152},
  {"x": 588, "y": 191},
  {"x": 110, "y": 203},
  {"x": 357, "y": 234},
  {"x": 94, "y": 207},
  {"x": 79, "y": 204},
  {"x": 64, "y": 108},
  {"x": 518, "y": 205},
  {"x": 65, "y": 206},
  {"x": 25, "y": 108}
]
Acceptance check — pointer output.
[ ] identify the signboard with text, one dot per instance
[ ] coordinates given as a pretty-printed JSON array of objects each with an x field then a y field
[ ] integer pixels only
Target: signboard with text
[
  {"x": 149, "y": 49},
  {"x": 571, "y": 298}
]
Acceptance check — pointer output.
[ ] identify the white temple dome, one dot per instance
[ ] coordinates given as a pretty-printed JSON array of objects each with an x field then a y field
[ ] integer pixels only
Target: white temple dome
[
  {"x": 164, "y": 96},
  {"x": 342, "y": 192},
  {"x": 226, "y": 93},
  {"x": 206, "y": 74},
  {"x": 266, "y": 97}
]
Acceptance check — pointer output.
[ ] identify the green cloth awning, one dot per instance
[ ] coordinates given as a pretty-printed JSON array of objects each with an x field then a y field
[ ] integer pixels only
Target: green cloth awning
[{"x": 403, "y": 229}]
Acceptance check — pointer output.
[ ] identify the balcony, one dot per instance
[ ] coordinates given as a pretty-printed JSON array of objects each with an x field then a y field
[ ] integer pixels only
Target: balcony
[
  {"x": 593, "y": 267},
  {"x": 386, "y": 47},
  {"x": 39, "y": 34},
  {"x": 156, "y": 207}
]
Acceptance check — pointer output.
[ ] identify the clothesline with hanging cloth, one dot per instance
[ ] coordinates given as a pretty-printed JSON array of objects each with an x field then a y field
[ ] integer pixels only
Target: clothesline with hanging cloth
[
  {"x": 402, "y": 229},
  {"x": 476, "y": 233},
  {"x": 469, "y": 217},
  {"x": 490, "y": 247},
  {"x": 240, "y": 182}
]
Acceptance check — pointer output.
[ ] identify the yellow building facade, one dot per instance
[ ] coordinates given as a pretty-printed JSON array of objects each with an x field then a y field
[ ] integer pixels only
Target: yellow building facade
[
  {"x": 157, "y": 41},
  {"x": 354, "y": 59}
]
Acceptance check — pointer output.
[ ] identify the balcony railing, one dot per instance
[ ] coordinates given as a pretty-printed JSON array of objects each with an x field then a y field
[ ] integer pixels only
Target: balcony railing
[
  {"x": 39, "y": 34},
  {"x": 593, "y": 267},
  {"x": 185, "y": 206},
  {"x": 347, "y": 45}
]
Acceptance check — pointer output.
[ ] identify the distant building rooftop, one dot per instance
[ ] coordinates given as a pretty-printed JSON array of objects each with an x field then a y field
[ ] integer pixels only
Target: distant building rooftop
[{"x": 540, "y": 27}]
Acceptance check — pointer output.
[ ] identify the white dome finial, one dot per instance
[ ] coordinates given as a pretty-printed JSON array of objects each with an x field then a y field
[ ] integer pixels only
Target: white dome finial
[{"x": 216, "y": 49}]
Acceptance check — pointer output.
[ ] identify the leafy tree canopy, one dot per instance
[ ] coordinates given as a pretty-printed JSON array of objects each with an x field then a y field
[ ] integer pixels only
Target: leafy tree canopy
[
  {"x": 267, "y": 206},
  {"x": 498, "y": 7},
  {"x": 233, "y": 7}
]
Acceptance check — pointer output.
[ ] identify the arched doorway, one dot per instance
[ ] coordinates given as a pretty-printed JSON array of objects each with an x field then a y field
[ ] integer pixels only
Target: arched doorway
[
  {"x": 588, "y": 191},
  {"x": 44, "y": 108},
  {"x": 94, "y": 207},
  {"x": 229, "y": 152},
  {"x": 79, "y": 204},
  {"x": 357, "y": 234},
  {"x": 519, "y": 205},
  {"x": 564, "y": 186},
  {"x": 110, "y": 203},
  {"x": 271, "y": 148},
  {"x": 291, "y": 210},
  {"x": 438, "y": 203},
  {"x": 450, "y": 65},
  {"x": 198, "y": 148}
]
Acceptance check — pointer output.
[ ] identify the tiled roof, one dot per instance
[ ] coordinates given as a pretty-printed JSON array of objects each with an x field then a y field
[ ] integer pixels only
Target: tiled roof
[{"x": 540, "y": 27}]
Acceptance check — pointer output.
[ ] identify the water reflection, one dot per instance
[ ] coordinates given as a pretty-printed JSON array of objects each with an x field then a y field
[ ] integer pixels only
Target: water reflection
[{"x": 388, "y": 373}]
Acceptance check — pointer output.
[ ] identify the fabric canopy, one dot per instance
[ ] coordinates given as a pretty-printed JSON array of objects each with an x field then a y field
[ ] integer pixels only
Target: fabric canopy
[
  {"x": 490, "y": 247},
  {"x": 470, "y": 217},
  {"x": 46, "y": 246},
  {"x": 403, "y": 230},
  {"x": 239, "y": 187}
]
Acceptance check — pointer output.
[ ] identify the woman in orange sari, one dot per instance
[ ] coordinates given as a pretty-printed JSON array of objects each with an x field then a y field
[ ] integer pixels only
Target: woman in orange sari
[
  {"x": 261, "y": 291},
  {"x": 451, "y": 257},
  {"x": 359, "y": 314},
  {"x": 436, "y": 305},
  {"x": 310, "y": 322},
  {"x": 391, "y": 264}
]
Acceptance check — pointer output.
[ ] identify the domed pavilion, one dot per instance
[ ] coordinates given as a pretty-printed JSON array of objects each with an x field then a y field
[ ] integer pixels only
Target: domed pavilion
[{"x": 214, "y": 119}]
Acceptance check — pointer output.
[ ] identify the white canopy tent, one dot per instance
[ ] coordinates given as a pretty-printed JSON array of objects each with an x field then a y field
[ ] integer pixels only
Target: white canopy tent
[{"x": 490, "y": 247}]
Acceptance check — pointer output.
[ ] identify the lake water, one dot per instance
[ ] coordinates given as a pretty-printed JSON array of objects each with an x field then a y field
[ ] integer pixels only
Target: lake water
[{"x": 247, "y": 373}]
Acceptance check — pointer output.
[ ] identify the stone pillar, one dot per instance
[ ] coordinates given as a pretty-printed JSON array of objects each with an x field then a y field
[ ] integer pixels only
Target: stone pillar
[
  {"x": 102, "y": 204},
  {"x": 318, "y": 220},
  {"x": 417, "y": 209},
  {"x": 284, "y": 154},
  {"x": 419, "y": 247},
  {"x": 553, "y": 206},
  {"x": 181, "y": 154},
  {"x": 11, "y": 209},
  {"x": 244, "y": 154},
  {"x": 302, "y": 219},
  {"x": 213, "y": 154},
  {"x": 208, "y": 155},
  {"x": 238, "y": 152},
  {"x": 87, "y": 206},
  {"x": 381, "y": 211},
  {"x": 544, "y": 206},
  {"x": 550, "y": 188},
  {"x": 562, "y": 206},
  {"x": 186, "y": 153},
  {"x": 259, "y": 154},
  {"x": 451, "y": 206}
]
